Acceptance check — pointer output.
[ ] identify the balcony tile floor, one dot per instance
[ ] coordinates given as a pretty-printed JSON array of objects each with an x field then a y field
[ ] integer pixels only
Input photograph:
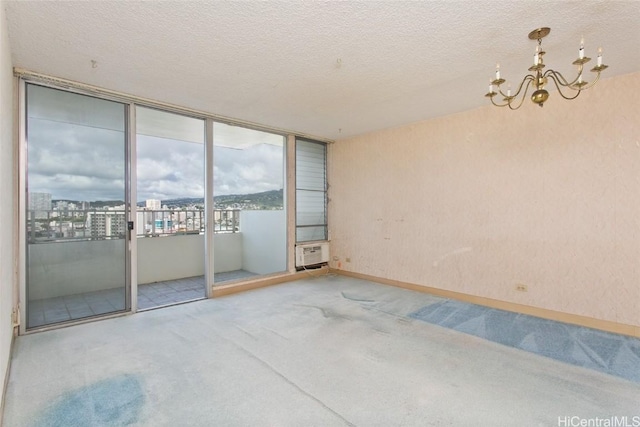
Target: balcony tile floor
[
  {"x": 73, "y": 307},
  {"x": 170, "y": 292}
]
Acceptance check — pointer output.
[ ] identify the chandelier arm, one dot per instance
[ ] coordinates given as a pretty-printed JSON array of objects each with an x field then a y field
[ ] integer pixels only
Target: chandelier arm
[
  {"x": 563, "y": 81},
  {"x": 590, "y": 85},
  {"x": 504, "y": 95},
  {"x": 553, "y": 79},
  {"x": 528, "y": 77},
  {"x": 560, "y": 80},
  {"x": 524, "y": 94},
  {"x": 498, "y": 105}
]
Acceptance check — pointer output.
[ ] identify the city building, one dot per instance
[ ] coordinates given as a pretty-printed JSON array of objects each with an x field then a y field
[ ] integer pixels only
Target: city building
[
  {"x": 106, "y": 224},
  {"x": 474, "y": 265}
]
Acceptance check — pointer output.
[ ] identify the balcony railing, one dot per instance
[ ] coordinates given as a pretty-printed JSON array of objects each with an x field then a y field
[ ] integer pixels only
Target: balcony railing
[{"x": 108, "y": 224}]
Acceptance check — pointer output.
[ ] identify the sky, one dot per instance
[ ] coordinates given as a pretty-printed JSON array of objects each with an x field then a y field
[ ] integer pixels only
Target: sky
[
  {"x": 87, "y": 164},
  {"x": 76, "y": 151}
]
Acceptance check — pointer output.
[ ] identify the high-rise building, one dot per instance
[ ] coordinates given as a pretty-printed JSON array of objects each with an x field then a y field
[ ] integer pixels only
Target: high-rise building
[{"x": 106, "y": 224}]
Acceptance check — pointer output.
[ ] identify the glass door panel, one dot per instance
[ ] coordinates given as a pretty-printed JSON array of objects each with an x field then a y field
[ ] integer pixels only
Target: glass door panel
[
  {"x": 76, "y": 216},
  {"x": 170, "y": 208},
  {"x": 249, "y": 216}
]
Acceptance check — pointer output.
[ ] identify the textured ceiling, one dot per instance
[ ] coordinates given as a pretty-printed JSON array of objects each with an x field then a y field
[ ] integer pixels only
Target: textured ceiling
[{"x": 328, "y": 69}]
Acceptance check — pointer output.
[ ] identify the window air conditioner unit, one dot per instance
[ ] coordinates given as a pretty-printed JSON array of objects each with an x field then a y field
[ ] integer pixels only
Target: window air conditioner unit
[{"x": 312, "y": 254}]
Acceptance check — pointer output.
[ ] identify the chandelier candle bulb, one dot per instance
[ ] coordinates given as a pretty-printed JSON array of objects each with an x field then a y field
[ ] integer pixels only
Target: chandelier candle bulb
[
  {"x": 599, "y": 63},
  {"x": 581, "y": 50},
  {"x": 497, "y": 71}
]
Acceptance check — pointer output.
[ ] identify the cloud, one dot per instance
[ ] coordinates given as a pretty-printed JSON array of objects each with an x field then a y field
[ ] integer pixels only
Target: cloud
[
  {"x": 169, "y": 169},
  {"x": 84, "y": 163},
  {"x": 251, "y": 170},
  {"x": 75, "y": 162}
]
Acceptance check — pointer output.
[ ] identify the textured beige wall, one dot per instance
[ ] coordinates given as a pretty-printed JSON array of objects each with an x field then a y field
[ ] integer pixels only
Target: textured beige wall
[{"x": 481, "y": 201}]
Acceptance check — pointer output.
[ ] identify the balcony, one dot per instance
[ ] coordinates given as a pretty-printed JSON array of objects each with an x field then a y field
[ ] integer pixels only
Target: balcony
[{"x": 76, "y": 264}]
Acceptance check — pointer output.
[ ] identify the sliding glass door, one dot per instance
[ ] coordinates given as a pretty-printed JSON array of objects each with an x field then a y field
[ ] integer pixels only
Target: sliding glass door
[
  {"x": 91, "y": 184},
  {"x": 76, "y": 215},
  {"x": 170, "y": 210}
]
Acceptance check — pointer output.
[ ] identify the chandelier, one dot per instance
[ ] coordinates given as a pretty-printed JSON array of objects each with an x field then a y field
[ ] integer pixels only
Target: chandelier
[{"x": 538, "y": 79}]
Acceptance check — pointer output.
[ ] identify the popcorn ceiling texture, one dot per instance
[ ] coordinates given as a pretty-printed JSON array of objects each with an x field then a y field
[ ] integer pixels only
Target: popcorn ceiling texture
[
  {"x": 481, "y": 201},
  {"x": 330, "y": 69}
]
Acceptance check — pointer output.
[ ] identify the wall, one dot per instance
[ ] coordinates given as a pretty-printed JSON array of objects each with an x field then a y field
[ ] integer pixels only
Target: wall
[
  {"x": 7, "y": 227},
  {"x": 170, "y": 258},
  {"x": 177, "y": 257},
  {"x": 227, "y": 252},
  {"x": 58, "y": 269},
  {"x": 264, "y": 247},
  {"x": 68, "y": 268},
  {"x": 484, "y": 200}
]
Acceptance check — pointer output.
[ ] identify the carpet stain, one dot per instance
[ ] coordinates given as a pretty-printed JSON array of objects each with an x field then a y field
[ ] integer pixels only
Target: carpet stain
[
  {"x": 112, "y": 402},
  {"x": 355, "y": 298},
  {"x": 327, "y": 312}
]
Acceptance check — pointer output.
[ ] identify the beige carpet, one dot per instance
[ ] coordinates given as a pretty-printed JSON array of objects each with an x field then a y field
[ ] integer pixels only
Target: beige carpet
[{"x": 331, "y": 351}]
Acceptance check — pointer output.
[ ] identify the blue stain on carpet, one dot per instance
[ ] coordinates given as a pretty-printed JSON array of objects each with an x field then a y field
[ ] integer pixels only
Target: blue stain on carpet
[
  {"x": 606, "y": 352},
  {"x": 112, "y": 402}
]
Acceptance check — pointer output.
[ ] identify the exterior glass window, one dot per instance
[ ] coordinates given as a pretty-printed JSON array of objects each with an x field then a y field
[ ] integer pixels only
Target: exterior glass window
[{"x": 311, "y": 191}]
